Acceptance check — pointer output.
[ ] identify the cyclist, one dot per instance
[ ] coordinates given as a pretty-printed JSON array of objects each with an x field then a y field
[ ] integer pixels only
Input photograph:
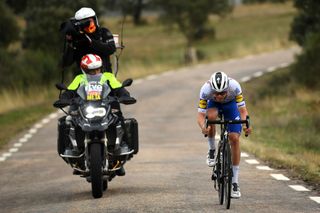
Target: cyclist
[{"x": 224, "y": 94}]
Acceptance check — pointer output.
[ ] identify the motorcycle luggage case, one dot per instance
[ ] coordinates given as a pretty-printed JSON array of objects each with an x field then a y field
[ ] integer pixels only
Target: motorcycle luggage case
[{"x": 131, "y": 125}]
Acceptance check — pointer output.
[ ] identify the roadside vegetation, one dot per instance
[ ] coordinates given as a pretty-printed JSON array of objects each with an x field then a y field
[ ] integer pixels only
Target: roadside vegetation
[
  {"x": 286, "y": 121},
  {"x": 150, "y": 48}
]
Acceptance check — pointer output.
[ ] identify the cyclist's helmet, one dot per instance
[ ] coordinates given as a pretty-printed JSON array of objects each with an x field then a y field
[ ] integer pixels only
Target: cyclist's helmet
[
  {"x": 90, "y": 62},
  {"x": 219, "y": 81},
  {"x": 88, "y": 17}
]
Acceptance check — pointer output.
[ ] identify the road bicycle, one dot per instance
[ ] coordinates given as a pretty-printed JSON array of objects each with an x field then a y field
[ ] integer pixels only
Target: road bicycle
[{"x": 222, "y": 171}]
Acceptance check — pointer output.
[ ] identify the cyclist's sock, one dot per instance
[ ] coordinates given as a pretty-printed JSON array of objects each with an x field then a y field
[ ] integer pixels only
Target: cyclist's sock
[
  {"x": 235, "y": 170},
  {"x": 212, "y": 143}
]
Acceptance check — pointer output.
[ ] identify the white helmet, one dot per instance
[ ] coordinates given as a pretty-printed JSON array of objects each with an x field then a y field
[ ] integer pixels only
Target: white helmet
[
  {"x": 90, "y": 62},
  {"x": 219, "y": 81},
  {"x": 84, "y": 13}
]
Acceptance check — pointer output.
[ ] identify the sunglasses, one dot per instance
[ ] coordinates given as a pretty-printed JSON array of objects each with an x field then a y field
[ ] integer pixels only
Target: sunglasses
[{"x": 220, "y": 93}]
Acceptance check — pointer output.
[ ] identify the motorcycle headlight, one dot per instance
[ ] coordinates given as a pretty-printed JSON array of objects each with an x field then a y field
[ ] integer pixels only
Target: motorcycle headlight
[{"x": 91, "y": 112}]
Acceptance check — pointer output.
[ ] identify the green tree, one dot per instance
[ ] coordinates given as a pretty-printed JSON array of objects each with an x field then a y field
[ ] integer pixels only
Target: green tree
[
  {"x": 307, "y": 21},
  {"x": 191, "y": 18},
  {"x": 305, "y": 30},
  {"x": 8, "y": 26}
]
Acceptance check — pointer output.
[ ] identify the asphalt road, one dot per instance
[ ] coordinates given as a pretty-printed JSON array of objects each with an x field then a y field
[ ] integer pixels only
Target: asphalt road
[{"x": 169, "y": 173}]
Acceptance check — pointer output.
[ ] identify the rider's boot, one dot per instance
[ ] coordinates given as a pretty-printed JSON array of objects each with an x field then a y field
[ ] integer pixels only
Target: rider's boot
[
  {"x": 210, "y": 158},
  {"x": 121, "y": 171}
]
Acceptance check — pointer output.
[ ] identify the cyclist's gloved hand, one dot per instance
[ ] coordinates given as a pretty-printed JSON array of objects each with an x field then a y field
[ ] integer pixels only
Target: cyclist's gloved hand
[
  {"x": 205, "y": 130},
  {"x": 247, "y": 131}
]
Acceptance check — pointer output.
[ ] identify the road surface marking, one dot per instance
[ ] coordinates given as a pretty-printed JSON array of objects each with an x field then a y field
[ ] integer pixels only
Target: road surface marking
[
  {"x": 317, "y": 199},
  {"x": 283, "y": 65},
  {"x": 299, "y": 188},
  {"x": 2, "y": 159},
  {"x": 279, "y": 177},
  {"x": 27, "y": 136},
  {"x": 45, "y": 120},
  {"x": 258, "y": 74},
  {"x": 23, "y": 140},
  {"x": 13, "y": 150},
  {"x": 151, "y": 77},
  {"x": 53, "y": 115},
  {"x": 267, "y": 168},
  {"x": 252, "y": 161},
  {"x": 244, "y": 155},
  {"x": 271, "y": 69},
  {"x": 17, "y": 144},
  {"x": 7, "y": 154},
  {"x": 38, "y": 126},
  {"x": 245, "y": 79},
  {"x": 33, "y": 131}
]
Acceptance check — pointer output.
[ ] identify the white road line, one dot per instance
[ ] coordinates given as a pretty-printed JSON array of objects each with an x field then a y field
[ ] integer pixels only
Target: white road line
[
  {"x": 139, "y": 81},
  {"x": 252, "y": 161},
  {"x": 17, "y": 144},
  {"x": 23, "y": 140},
  {"x": 167, "y": 73},
  {"x": 7, "y": 154},
  {"x": 271, "y": 69},
  {"x": 245, "y": 79},
  {"x": 248, "y": 57},
  {"x": 244, "y": 155},
  {"x": 267, "y": 168},
  {"x": 2, "y": 159},
  {"x": 299, "y": 188},
  {"x": 258, "y": 74},
  {"x": 317, "y": 199},
  {"x": 283, "y": 65},
  {"x": 33, "y": 131},
  {"x": 27, "y": 136},
  {"x": 151, "y": 77},
  {"x": 45, "y": 120},
  {"x": 38, "y": 126},
  {"x": 53, "y": 115},
  {"x": 13, "y": 150},
  {"x": 279, "y": 177}
]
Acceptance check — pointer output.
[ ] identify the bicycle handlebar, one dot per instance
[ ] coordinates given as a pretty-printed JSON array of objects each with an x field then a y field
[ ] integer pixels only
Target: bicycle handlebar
[{"x": 225, "y": 122}]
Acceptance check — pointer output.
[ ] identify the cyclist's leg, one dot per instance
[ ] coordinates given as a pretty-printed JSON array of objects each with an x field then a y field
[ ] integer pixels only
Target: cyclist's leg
[
  {"x": 212, "y": 113},
  {"x": 231, "y": 112}
]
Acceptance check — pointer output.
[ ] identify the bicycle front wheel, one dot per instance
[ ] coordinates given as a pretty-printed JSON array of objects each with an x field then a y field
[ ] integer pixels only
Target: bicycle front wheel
[
  {"x": 220, "y": 174},
  {"x": 227, "y": 165}
]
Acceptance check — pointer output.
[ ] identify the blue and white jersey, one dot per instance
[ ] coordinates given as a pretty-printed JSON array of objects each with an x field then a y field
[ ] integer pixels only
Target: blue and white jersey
[{"x": 234, "y": 92}]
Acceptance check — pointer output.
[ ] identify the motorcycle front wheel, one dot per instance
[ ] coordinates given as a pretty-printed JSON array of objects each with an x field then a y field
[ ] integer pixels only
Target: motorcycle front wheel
[{"x": 96, "y": 170}]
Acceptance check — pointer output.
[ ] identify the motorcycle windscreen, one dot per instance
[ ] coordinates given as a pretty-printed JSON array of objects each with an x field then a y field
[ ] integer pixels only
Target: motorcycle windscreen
[{"x": 93, "y": 90}]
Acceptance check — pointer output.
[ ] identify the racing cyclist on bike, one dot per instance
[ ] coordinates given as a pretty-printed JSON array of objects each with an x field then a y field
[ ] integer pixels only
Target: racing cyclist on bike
[{"x": 224, "y": 94}]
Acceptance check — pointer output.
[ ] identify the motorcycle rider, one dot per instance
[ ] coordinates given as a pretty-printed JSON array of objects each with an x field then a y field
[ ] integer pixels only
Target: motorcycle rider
[
  {"x": 83, "y": 35},
  {"x": 91, "y": 66}
]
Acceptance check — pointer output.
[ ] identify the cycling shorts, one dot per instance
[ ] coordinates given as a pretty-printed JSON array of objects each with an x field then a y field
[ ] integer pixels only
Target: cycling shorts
[{"x": 230, "y": 111}]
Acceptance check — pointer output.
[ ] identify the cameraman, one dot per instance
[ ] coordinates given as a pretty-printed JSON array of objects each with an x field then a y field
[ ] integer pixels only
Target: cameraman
[{"x": 83, "y": 35}]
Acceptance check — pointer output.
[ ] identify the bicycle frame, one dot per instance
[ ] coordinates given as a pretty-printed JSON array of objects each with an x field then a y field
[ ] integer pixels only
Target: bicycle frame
[{"x": 222, "y": 171}]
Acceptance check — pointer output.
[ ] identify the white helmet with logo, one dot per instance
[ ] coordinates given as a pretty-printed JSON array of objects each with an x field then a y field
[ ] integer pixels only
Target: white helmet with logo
[
  {"x": 84, "y": 13},
  {"x": 219, "y": 81}
]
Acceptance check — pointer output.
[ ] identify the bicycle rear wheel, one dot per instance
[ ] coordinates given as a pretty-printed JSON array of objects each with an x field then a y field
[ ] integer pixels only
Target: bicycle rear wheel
[{"x": 227, "y": 174}]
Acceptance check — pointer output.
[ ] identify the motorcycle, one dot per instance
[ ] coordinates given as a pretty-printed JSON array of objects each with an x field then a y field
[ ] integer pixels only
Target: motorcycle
[{"x": 92, "y": 136}]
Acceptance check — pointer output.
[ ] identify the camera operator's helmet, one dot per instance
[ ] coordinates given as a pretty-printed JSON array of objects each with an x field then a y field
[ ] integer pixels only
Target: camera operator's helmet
[
  {"x": 90, "y": 62},
  {"x": 219, "y": 81},
  {"x": 89, "y": 19}
]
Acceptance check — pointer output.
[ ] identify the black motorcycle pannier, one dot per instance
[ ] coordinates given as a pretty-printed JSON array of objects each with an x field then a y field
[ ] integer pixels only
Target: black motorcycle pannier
[{"x": 131, "y": 125}]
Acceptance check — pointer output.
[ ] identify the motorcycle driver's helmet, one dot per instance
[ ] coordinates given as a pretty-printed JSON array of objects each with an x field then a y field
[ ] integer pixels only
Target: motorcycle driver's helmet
[
  {"x": 219, "y": 81},
  {"x": 90, "y": 63},
  {"x": 87, "y": 19}
]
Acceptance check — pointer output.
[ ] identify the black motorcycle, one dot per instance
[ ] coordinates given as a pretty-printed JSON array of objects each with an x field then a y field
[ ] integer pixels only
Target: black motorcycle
[{"x": 93, "y": 139}]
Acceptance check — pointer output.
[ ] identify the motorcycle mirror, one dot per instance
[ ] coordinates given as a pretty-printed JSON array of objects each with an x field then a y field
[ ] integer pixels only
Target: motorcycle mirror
[
  {"x": 127, "y": 82},
  {"x": 61, "y": 86}
]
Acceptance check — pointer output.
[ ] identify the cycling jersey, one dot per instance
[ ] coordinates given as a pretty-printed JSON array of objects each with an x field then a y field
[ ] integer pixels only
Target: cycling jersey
[{"x": 234, "y": 93}]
